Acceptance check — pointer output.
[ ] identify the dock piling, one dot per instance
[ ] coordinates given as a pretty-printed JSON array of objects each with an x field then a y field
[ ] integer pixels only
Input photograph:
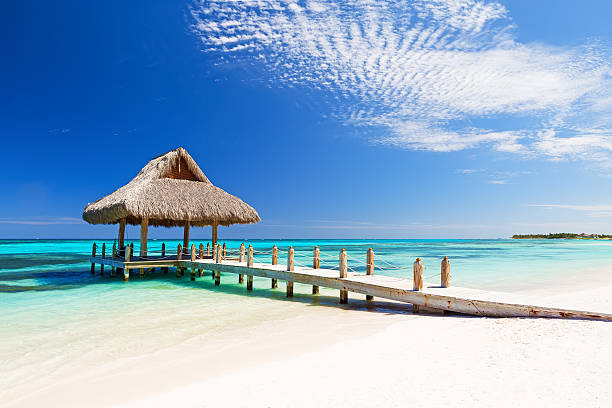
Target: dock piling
[
  {"x": 224, "y": 250},
  {"x": 208, "y": 249},
  {"x": 219, "y": 259},
  {"x": 179, "y": 256},
  {"x": 316, "y": 264},
  {"x": 250, "y": 265},
  {"x": 370, "y": 268},
  {"x": 241, "y": 259},
  {"x": 290, "y": 267},
  {"x": 163, "y": 254},
  {"x": 114, "y": 257},
  {"x": 445, "y": 273},
  {"x": 128, "y": 256},
  {"x": 343, "y": 269},
  {"x": 193, "y": 258},
  {"x": 93, "y": 255},
  {"x": 274, "y": 262},
  {"x": 103, "y": 256},
  {"x": 417, "y": 280}
]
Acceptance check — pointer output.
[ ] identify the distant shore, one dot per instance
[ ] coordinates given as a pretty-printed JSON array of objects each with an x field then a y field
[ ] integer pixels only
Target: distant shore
[{"x": 562, "y": 235}]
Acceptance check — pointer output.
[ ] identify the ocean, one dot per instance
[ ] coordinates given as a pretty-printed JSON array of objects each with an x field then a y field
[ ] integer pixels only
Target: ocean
[{"x": 55, "y": 314}]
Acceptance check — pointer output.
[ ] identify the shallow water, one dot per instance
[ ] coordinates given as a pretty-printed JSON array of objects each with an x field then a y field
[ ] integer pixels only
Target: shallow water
[{"x": 54, "y": 313}]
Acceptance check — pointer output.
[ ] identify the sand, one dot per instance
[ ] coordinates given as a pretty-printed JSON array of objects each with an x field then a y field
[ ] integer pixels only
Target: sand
[{"x": 334, "y": 356}]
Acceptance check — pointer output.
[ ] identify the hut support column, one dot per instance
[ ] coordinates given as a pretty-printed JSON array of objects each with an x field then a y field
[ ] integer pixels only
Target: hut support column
[
  {"x": 214, "y": 235},
  {"x": 144, "y": 229},
  {"x": 186, "y": 237}
]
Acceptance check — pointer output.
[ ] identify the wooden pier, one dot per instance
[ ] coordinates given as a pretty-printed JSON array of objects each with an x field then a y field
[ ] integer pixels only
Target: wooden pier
[{"x": 423, "y": 296}]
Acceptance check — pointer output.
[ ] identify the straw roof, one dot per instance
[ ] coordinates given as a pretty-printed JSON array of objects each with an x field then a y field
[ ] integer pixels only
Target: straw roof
[{"x": 170, "y": 190}]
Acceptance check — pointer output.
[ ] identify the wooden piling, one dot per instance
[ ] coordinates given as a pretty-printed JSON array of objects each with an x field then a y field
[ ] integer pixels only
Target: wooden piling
[
  {"x": 114, "y": 256},
  {"x": 445, "y": 273},
  {"x": 128, "y": 256},
  {"x": 343, "y": 269},
  {"x": 163, "y": 254},
  {"x": 224, "y": 253},
  {"x": 290, "y": 267},
  {"x": 274, "y": 262},
  {"x": 93, "y": 255},
  {"x": 179, "y": 256},
  {"x": 241, "y": 259},
  {"x": 208, "y": 249},
  {"x": 103, "y": 256},
  {"x": 201, "y": 256},
  {"x": 370, "y": 268},
  {"x": 250, "y": 257},
  {"x": 417, "y": 280},
  {"x": 219, "y": 260},
  {"x": 316, "y": 264},
  {"x": 193, "y": 258}
]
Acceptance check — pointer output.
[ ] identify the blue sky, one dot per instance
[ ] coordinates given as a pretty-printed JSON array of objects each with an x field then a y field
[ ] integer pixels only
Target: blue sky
[{"x": 449, "y": 118}]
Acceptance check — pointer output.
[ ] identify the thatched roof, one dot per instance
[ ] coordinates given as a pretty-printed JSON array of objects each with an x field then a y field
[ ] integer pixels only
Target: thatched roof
[{"x": 170, "y": 190}]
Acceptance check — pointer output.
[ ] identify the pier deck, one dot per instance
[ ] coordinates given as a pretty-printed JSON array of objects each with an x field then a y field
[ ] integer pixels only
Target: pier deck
[{"x": 431, "y": 296}]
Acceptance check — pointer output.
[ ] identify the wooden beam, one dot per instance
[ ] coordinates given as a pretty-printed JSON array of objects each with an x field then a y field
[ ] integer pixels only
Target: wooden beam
[
  {"x": 343, "y": 269},
  {"x": 121, "y": 236},
  {"x": 186, "y": 237},
  {"x": 445, "y": 273},
  {"x": 214, "y": 235},
  {"x": 370, "y": 268}
]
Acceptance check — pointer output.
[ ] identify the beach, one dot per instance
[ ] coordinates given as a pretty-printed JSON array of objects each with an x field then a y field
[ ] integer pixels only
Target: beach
[{"x": 153, "y": 343}]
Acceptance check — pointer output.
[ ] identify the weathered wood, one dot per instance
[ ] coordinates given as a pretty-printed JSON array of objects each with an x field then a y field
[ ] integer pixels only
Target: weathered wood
[
  {"x": 290, "y": 268},
  {"x": 121, "y": 237},
  {"x": 144, "y": 228},
  {"x": 217, "y": 278},
  {"x": 201, "y": 256},
  {"x": 163, "y": 254},
  {"x": 103, "y": 256},
  {"x": 193, "y": 252},
  {"x": 417, "y": 280},
  {"x": 370, "y": 268},
  {"x": 224, "y": 253},
  {"x": 193, "y": 274},
  {"x": 186, "y": 236},
  {"x": 250, "y": 256},
  {"x": 316, "y": 264},
  {"x": 93, "y": 255},
  {"x": 208, "y": 249},
  {"x": 128, "y": 256},
  {"x": 343, "y": 270},
  {"x": 460, "y": 300},
  {"x": 445, "y": 273},
  {"x": 274, "y": 262},
  {"x": 114, "y": 257},
  {"x": 214, "y": 235},
  {"x": 179, "y": 256},
  {"x": 241, "y": 259},
  {"x": 249, "y": 282}
]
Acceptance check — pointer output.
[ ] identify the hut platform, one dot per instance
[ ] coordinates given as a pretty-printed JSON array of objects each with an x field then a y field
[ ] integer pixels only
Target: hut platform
[{"x": 429, "y": 298}]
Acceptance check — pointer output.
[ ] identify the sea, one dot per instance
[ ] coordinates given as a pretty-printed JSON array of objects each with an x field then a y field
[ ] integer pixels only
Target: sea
[{"x": 54, "y": 312}]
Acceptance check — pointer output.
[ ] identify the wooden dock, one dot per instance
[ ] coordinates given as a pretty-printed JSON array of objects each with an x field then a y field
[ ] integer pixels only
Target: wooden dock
[{"x": 423, "y": 296}]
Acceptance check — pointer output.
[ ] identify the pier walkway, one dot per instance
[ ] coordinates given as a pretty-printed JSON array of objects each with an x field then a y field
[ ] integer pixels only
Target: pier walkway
[{"x": 423, "y": 296}]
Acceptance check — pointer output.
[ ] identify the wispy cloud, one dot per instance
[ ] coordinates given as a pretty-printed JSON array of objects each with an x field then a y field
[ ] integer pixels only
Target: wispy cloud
[
  {"x": 422, "y": 70},
  {"x": 42, "y": 221},
  {"x": 591, "y": 210}
]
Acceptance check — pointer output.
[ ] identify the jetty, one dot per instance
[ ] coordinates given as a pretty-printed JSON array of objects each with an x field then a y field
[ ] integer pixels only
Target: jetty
[
  {"x": 172, "y": 191},
  {"x": 423, "y": 296}
]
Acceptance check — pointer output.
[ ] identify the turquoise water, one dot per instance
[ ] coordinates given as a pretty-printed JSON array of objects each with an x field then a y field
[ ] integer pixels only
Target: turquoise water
[{"x": 54, "y": 314}]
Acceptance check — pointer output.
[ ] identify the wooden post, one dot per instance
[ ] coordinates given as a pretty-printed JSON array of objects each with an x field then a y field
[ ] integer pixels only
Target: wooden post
[
  {"x": 193, "y": 258},
  {"x": 219, "y": 259},
  {"x": 163, "y": 254},
  {"x": 179, "y": 256},
  {"x": 445, "y": 273},
  {"x": 128, "y": 256},
  {"x": 241, "y": 259},
  {"x": 214, "y": 235},
  {"x": 114, "y": 256},
  {"x": 93, "y": 255},
  {"x": 224, "y": 253},
  {"x": 201, "y": 255},
  {"x": 290, "y": 267},
  {"x": 103, "y": 256},
  {"x": 316, "y": 264},
  {"x": 121, "y": 236},
  {"x": 370, "y": 268},
  {"x": 417, "y": 280},
  {"x": 186, "y": 236},
  {"x": 274, "y": 262},
  {"x": 343, "y": 269},
  {"x": 144, "y": 228},
  {"x": 208, "y": 249},
  {"x": 250, "y": 264}
]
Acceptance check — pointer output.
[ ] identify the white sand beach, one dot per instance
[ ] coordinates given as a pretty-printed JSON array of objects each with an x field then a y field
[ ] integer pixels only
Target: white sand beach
[{"x": 335, "y": 356}]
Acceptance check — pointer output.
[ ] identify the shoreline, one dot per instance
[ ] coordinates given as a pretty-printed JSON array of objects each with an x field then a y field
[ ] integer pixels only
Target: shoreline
[{"x": 212, "y": 366}]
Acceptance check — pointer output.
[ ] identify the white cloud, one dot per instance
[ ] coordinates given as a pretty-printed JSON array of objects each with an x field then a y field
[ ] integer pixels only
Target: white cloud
[
  {"x": 422, "y": 70},
  {"x": 42, "y": 221}
]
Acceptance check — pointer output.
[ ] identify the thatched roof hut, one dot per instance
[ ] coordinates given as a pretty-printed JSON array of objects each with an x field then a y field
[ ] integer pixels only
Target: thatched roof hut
[{"x": 171, "y": 190}]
